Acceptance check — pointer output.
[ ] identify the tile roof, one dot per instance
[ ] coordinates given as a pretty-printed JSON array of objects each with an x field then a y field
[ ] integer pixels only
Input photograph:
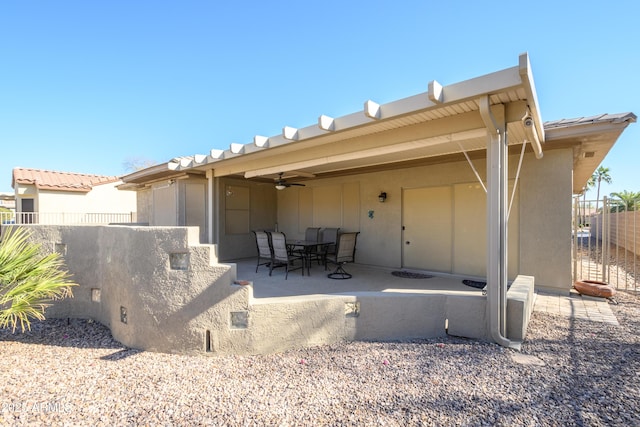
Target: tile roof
[{"x": 61, "y": 181}]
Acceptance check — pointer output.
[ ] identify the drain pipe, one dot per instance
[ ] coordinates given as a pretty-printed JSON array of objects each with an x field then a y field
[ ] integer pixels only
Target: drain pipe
[{"x": 497, "y": 162}]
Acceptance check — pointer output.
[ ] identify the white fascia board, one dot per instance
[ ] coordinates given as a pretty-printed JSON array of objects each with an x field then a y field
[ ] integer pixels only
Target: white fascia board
[
  {"x": 526, "y": 76},
  {"x": 228, "y": 154},
  {"x": 309, "y": 132},
  {"x": 457, "y": 92},
  {"x": 406, "y": 105},
  {"x": 149, "y": 171},
  {"x": 350, "y": 121},
  {"x": 277, "y": 140},
  {"x": 377, "y": 151},
  {"x": 470, "y": 89},
  {"x": 250, "y": 148},
  {"x": 483, "y": 85}
]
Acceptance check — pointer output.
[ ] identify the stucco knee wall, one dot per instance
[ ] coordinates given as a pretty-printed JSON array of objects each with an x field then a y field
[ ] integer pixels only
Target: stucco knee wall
[
  {"x": 467, "y": 314},
  {"x": 156, "y": 288},
  {"x": 520, "y": 300}
]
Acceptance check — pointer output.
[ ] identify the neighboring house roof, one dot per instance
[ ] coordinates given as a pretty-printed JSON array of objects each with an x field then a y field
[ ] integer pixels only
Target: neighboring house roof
[
  {"x": 601, "y": 118},
  {"x": 60, "y": 181},
  {"x": 591, "y": 138}
]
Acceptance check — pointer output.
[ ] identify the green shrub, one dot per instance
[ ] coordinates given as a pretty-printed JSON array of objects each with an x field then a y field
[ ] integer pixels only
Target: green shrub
[{"x": 29, "y": 280}]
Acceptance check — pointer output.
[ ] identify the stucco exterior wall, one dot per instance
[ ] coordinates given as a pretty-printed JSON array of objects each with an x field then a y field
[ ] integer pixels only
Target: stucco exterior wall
[
  {"x": 352, "y": 204},
  {"x": 243, "y": 206},
  {"x": 105, "y": 198},
  {"x": 540, "y": 215},
  {"x": 144, "y": 205},
  {"x": 545, "y": 219}
]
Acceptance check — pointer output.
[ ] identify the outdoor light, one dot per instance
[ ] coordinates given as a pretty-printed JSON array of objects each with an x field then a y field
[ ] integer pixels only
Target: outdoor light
[{"x": 382, "y": 197}]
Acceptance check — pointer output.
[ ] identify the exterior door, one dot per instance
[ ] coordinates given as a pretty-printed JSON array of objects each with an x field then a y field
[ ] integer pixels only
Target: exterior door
[
  {"x": 27, "y": 208},
  {"x": 427, "y": 224}
]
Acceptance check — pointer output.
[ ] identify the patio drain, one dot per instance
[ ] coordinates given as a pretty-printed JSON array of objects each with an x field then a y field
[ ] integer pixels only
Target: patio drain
[{"x": 410, "y": 275}]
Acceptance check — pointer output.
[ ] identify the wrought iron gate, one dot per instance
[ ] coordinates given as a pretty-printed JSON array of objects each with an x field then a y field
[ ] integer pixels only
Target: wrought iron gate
[{"x": 606, "y": 242}]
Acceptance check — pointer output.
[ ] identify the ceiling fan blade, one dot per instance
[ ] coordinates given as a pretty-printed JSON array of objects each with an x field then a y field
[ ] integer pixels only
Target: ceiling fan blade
[
  {"x": 293, "y": 174},
  {"x": 281, "y": 182}
]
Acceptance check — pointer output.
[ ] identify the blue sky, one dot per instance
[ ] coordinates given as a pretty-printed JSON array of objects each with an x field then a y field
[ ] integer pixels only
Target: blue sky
[{"x": 86, "y": 86}]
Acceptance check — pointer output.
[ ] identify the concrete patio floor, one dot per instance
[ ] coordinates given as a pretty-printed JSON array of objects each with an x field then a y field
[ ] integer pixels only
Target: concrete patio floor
[
  {"x": 365, "y": 279},
  {"x": 368, "y": 279}
]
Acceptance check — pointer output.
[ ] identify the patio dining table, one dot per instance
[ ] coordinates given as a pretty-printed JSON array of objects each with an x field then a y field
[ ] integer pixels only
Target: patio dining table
[{"x": 307, "y": 250}]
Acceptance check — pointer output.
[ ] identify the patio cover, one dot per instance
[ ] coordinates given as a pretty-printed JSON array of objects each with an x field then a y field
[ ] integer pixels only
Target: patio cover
[
  {"x": 432, "y": 127},
  {"x": 438, "y": 125},
  {"x": 470, "y": 119}
]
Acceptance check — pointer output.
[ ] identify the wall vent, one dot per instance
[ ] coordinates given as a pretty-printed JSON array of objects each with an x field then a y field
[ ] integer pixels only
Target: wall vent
[{"x": 179, "y": 261}]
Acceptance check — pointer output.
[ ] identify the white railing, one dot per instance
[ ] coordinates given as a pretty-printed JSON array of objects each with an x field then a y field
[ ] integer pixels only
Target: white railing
[{"x": 65, "y": 218}]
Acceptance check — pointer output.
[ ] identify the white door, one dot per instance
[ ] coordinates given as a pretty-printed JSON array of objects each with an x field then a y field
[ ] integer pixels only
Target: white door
[{"x": 427, "y": 224}]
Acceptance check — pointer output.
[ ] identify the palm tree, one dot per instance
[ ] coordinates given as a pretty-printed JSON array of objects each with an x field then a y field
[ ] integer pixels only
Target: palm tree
[
  {"x": 601, "y": 174},
  {"x": 29, "y": 280},
  {"x": 626, "y": 200}
]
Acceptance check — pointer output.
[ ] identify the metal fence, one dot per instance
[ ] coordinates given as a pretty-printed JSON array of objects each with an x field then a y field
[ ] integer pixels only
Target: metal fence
[
  {"x": 65, "y": 218},
  {"x": 606, "y": 242}
]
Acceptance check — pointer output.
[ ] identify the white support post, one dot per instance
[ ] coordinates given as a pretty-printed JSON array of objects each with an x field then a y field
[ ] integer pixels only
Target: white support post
[{"x": 497, "y": 204}]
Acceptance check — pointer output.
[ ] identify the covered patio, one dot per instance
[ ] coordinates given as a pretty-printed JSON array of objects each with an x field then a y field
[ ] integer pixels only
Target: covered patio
[
  {"x": 467, "y": 193},
  {"x": 366, "y": 279}
]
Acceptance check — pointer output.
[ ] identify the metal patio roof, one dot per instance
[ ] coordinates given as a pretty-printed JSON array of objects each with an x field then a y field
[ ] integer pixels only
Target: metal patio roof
[{"x": 435, "y": 126}]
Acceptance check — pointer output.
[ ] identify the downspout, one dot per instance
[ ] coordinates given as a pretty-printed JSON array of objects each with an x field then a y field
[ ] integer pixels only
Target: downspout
[
  {"x": 210, "y": 206},
  {"x": 497, "y": 162}
]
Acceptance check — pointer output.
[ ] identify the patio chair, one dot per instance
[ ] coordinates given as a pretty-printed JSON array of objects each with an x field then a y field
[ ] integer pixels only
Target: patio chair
[
  {"x": 345, "y": 253},
  {"x": 329, "y": 235},
  {"x": 280, "y": 256},
  {"x": 264, "y": 248},
  {"x": 311, "y": 234}
]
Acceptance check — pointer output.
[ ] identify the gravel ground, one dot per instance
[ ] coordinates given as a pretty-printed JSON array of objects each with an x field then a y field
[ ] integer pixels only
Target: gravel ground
[{"x": 576, "y": 372}]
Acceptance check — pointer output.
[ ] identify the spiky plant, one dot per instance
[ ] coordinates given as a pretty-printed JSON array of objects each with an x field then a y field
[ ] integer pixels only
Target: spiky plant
[{"x": 29, "y": 280}]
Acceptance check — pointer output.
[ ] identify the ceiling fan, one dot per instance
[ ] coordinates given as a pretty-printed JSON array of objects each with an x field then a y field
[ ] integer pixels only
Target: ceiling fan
[{"x": 281, "y": 183}]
